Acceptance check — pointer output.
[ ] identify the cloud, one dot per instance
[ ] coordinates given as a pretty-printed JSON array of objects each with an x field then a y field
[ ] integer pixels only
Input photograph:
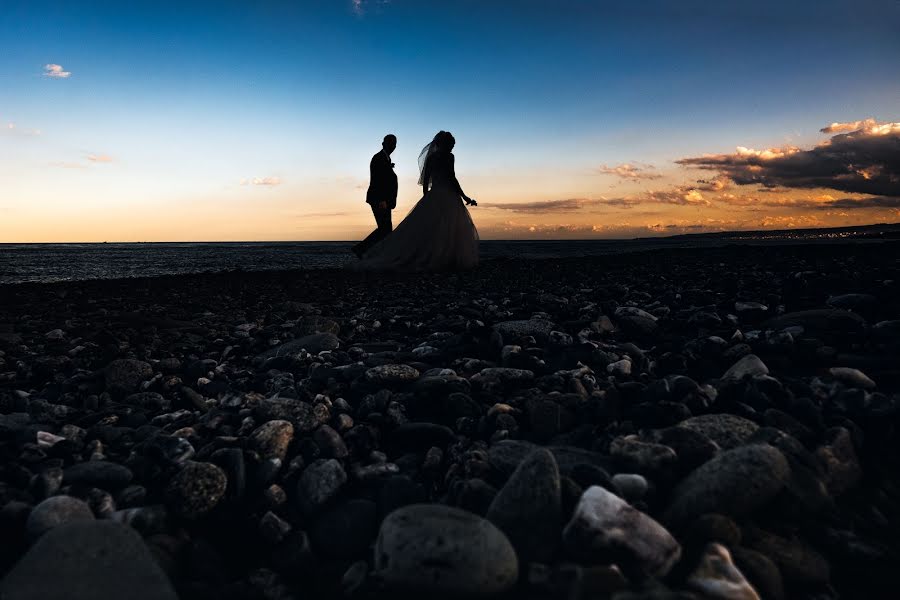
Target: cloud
[
  {"x": 56, "y": 72},
  {"x": 567, "y": 205},
  {"x": 11, "y": 129},
  {"x": 633, "y": 172},
  {"x": 864, "y": 160},
  {"x": 99, "y": 158},
  {"x": 360, "y": 7},
  {"x": 267, "y": 181}
]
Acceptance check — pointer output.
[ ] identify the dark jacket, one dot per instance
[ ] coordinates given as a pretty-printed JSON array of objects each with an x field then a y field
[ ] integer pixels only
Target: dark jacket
[{"x": 382, "y": 181}]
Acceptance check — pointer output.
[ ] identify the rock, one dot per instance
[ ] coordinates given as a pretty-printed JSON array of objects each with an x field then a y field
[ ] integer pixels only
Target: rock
[
  {"x": 823, "y": 320},
  {"x": 503, "y": 376},
  {"x": 856, "y": 302},
  {"x": 513, "y": 330},
  {"x": 620, "y": 368},
  {"x": 852, "y": 377},
  {"x": 391, "y": 374},
  {"x": 713, "y": 527},
  {"x": 528, "y": 508},
  {"x": 346, "y": 530},
  {"x": 605, "y": 528},
  {"x": 548, "y": 418},
  {"x": 196, "y": 489},
  {"x": 96, "y": 560},
  {"x": 748, "y": 366},
  {"x": 169, "y": 450},
  {"x": 733, "y": 483},
  {"x": 727, "y": 431},
  {"x": 437, "y": 549},
  {"x": 330, "y": 443},
  {"x": 272, "y": 439},
  {"x": 760, "y": 572},
  {"x": 313, "y": 344},
  {"x": 798, "y": 563},
  {"x": 319, "y": 483},
  {"x": 506, "y": 455},
  {"x": 692, "y": 447},
  {"x": 98, "y": 473},
  {"x": 302, "y": 415},
  {"x": 633, "y": 311},
  {"x": 750, "y": 308},
  {"x": 638, "y": 326},
  {"x": 151, "y": 401},
  {"x": 717, "y": 578},
  {"x": 887, "y": 331},
  {"x": 56, "y": 511},
  {"x": 123, "y": 376},
  {"x": 838, "y": 458},
  {"x": 632, "y": 486},
  {"x": 644, "y": 457}
]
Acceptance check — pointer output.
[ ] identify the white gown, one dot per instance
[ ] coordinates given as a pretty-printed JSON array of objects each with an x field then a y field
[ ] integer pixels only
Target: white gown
[{"x": 436, "y": 235}]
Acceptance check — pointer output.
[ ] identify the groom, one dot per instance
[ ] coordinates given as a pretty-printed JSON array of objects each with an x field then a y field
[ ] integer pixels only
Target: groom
[{"x": 381, "y": 195}]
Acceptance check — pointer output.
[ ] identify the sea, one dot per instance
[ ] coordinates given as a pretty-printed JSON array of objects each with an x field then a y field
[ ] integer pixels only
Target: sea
[{"x": 45, "y": 263}]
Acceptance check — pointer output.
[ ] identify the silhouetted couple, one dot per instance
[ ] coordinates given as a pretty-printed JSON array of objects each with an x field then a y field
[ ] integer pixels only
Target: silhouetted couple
[{"x": 438, "y": 233}]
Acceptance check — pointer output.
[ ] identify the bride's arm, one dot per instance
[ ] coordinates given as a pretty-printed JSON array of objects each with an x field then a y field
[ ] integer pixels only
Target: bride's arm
[{"x": 456, "y": 181}]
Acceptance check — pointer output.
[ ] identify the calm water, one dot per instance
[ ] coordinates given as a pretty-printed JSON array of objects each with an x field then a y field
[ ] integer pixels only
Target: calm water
[{"x": 62, "y": 262}]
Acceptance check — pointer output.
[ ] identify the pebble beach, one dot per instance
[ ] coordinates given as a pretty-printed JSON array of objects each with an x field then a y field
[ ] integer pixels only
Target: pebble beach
[{"x": 684, "y": 423}]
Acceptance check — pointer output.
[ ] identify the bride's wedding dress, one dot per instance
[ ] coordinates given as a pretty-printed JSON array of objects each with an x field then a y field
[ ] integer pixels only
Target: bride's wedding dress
[{"x": 438, "y": 233}]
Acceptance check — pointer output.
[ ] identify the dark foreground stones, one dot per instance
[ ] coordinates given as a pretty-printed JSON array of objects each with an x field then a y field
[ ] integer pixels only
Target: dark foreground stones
[{"x": 677, "y": 424}]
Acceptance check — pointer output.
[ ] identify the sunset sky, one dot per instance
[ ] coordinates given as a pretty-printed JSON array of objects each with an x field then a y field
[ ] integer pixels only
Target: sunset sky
[{"x": 156, "y": 121}]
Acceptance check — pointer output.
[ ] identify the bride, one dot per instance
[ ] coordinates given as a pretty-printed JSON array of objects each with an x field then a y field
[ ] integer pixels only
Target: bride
[{"x": 438, "y": 233}]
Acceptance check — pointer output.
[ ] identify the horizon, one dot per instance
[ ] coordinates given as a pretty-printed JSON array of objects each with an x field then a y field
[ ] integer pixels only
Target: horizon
[{"x": 574, "y": 121}]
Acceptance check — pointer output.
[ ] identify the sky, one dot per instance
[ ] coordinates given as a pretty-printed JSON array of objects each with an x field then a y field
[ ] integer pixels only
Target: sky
[{"x": 203, "y": 121}]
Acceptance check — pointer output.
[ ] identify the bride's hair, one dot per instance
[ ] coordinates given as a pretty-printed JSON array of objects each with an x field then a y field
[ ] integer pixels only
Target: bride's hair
[{"x": 444, "y": 141}]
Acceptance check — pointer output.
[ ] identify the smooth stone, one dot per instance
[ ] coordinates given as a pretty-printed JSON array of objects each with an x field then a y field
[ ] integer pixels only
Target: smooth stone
[
  {"x": 632, "y": 486},
  {"x": 748, "y": 366},
  {"x": 330, "y": 442},
  {"x": 839, "y": 461},
  {"x": 438, "y": 549},
  {"x": 319, "y": 483},
  {"x": 528, "y": 508},
  {"x": 797, "y": 561},
  {"x": 852, "y": 301},
  {"x": 620, "y": 368},
  {"x": 346, "y": 530},
  {"x": 313, "y": 344},
  {"x": 504, "y": 376},
  {"x": 692, "y": 447},
  {"x": 821, "y": 319},
  {"x": 633, "y": 311},
  {"x": 713, "y": 527},
  {"x": 506, "y": 455},
  {"x": 644, "y": 457},
  {"x": 196, "y": 489},
  {"x": 148, "y": 400},
  {"x": 605, "y": 528},
  {"x": 98, "y": 473},
  {"x": 760, "y": 571},
  {"x": 124, "y": 375},
  {"x": 302, "y": 415},
  {"x": 727, "y": 431},
  {"x": 272, "y": 439},
  {"x": 386, "y": 374},
  {"x": 56, "y": 511},
  {"x": 734, "y": 483},
  {"x": 717, "y": 578},
  {"x": 852, "y": 377},
  {"x": 96, "y": 560},
  {"x": 524, "y": 328},
  {"x": 750, "y": 307}
]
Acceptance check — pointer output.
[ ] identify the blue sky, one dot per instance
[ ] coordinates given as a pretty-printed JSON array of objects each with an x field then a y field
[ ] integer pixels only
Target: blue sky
[{"x": 185, "y": 101}]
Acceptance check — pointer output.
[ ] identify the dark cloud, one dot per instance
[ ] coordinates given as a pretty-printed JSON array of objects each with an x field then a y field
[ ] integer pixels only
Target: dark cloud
[
  {"x": 854, "y": 203},
  {"x": 865, "y": 160}
]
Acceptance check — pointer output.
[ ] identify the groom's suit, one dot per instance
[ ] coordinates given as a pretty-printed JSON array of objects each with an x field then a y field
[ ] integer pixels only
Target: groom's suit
[{"x": 382, "y": 188}]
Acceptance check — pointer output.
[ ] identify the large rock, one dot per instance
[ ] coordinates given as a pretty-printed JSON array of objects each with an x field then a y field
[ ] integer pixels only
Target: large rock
[
  {"x": 727, "y": 431},
  {"x": 302, "y": 415},
  {"x": 821, "y": 320},
  {"x": 319, "y": 483},
  {"x": 605, "y": 528},
  {"x": 437, "y": 549},
  {"x": 392, "y": 374},
  {"x": 838, "y": 459},
  {"x": 796, "y": 560},
  {"x": 98, "y": 473},
  {"x": 512, "y": 330},
  {"x": 272, "y": 439},
  {"x": 92, "y": 560},
  {"x": 123, "y": 376},
  {"x": 528, "y": 508},
  {"x": 506, "y": 455},
  {"x": 748, "y": 366},
  {"x": 54, "y": 512},
  {"x": 196, "y": 489},
  {"x": 313, "y": 344},
  {"x": 717, "y": 578},
  {"x": 733, "y": 483}
]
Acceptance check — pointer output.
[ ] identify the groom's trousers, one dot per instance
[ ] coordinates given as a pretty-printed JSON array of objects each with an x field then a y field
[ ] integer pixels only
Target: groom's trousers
[{"x": 383, "y": 220}]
